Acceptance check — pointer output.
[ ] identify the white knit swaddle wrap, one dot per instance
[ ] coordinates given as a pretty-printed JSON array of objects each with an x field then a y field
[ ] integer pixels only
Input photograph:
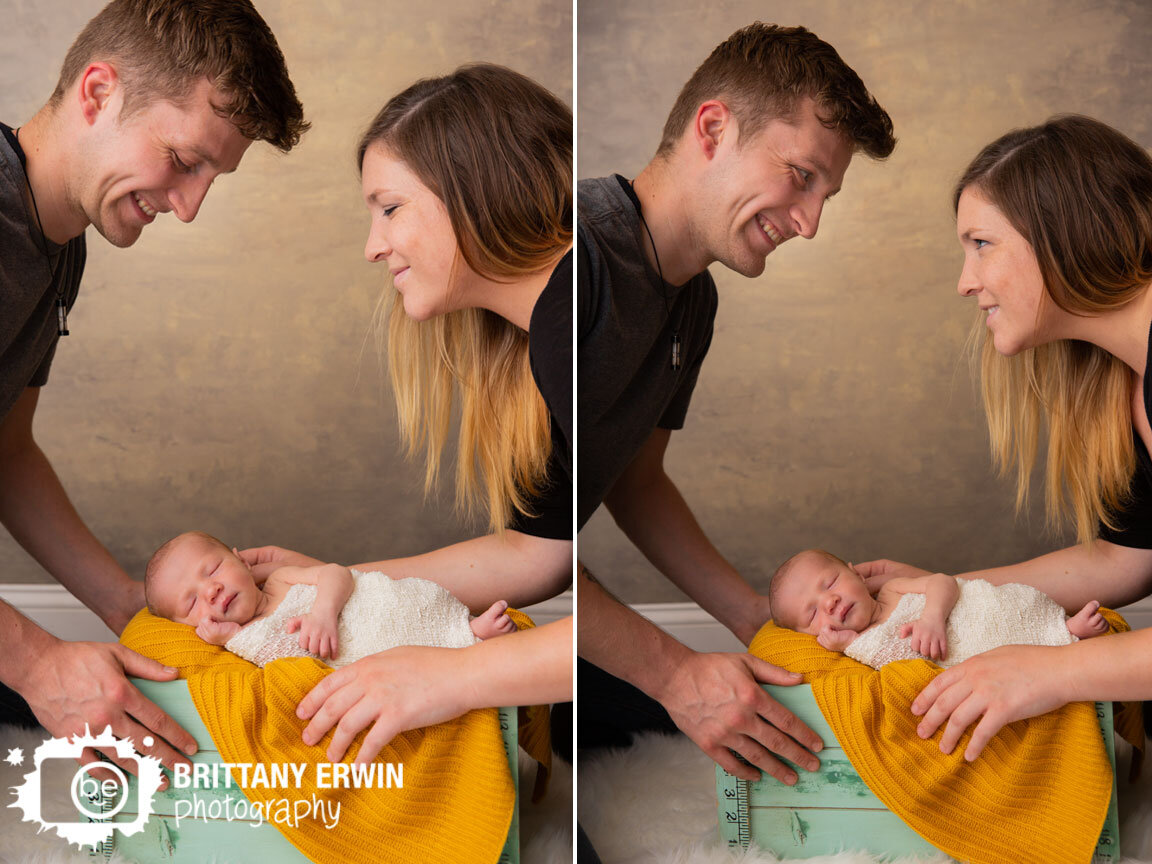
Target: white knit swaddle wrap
[
  {"x": 382, "y": 613},
  {"x": 985, "y": 617}
]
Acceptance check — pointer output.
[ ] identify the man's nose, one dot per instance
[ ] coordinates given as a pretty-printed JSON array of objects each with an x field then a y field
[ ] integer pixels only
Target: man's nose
[
  {"x": 187, "y": 196},
  {"x": 806, "y": 217}
]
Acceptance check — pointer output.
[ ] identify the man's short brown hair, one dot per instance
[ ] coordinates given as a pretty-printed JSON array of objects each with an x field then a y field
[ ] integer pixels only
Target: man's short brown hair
[
  {"x": 762, "y": 71},
  {"x": 162, "y": 48}
]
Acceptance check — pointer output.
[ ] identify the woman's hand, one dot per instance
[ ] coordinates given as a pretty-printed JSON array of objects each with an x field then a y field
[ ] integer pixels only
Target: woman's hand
[
  {"x": 264, "y": 559},
  {"x": 876, "y": 573},
  {"x": 393, "y": 691},
  {"x": 998, "y": 687}
]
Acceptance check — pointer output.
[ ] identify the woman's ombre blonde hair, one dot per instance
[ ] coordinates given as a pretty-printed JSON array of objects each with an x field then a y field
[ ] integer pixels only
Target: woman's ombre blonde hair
[
  {"x": 496, "y": 148},
  {"x": 1080, "y": 193}
]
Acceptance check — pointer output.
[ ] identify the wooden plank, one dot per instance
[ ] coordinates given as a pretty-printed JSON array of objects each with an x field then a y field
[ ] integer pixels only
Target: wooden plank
[
  {"x": 173, "y": 697},
  {"x": 1108, "y": 846},
  {"x": 834, "y": 784},
  {"x": 509, "y": 729},
  {"x": 195, "y": 842},
  {"x": 800, "y": 701},
  {"x": 805, "y": 832}
]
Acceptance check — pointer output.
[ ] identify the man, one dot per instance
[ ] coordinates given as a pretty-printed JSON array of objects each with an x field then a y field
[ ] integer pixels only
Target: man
[
  {"x": 757, "y": 142},
  {"x": 156, "y": 98}
]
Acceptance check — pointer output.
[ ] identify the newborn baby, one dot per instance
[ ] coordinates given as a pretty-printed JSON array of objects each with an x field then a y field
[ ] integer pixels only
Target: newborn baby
[
  {"x": 341, "y": 615},
  {"x": 938, "y": 617}
]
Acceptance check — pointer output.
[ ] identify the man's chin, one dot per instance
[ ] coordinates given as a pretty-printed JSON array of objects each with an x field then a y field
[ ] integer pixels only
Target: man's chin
[
  {"x": 750, "y": 269},
  {"x": 120, "y": 236}
]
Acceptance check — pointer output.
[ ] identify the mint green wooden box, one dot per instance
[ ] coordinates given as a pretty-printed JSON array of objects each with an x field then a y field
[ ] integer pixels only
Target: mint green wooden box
[
  {"x": 235, "y": 842},
  {"x": 832, "y": 809}
]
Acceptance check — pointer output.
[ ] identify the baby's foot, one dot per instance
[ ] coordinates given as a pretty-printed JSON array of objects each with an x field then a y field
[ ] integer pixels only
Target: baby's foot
[
  {"x": 493, "y": 622},
  {"x": 1088, "y": 622}
]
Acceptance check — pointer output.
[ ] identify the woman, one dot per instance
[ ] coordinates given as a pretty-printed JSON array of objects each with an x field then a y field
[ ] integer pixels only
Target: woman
[
  {"x": 468, "y": 181},
  {"x": 1056, "y": 225}
]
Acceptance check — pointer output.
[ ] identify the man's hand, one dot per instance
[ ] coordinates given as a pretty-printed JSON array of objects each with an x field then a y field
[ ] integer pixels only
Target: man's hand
[
  {"x": 317, "y": 633},
  {"x": 216, "y": 632},
  {"x": 717, "y": 701},
  {"x": 71, "y": 684},
  {"x": 929, "y": 638},
  {"x": 996, "y": 688},
  {"x": 876, "y": 573},
  {"x": 836, "y": 640}
]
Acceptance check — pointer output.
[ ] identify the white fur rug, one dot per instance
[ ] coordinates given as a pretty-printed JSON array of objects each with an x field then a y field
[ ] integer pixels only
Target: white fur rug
[
  {"x": 655, "y": 803},
  {"x": 545, "y": 828}
]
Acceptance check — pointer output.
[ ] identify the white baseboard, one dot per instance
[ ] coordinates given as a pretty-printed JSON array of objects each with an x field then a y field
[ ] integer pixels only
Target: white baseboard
[{"x": 62, "y": 615}]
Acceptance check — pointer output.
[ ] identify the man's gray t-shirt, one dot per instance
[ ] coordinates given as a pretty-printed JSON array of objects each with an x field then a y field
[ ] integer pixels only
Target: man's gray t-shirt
[
  {"x": 30, "y": 282},
  {"x": 626, "y": 316}
]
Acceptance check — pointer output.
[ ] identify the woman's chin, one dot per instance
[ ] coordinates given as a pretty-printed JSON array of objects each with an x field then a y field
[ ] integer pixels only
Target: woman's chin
[{"x": 1007, "y": 347}]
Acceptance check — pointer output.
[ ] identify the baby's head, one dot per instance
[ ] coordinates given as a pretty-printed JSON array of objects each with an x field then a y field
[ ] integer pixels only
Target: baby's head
[
  {"x": 195, "y": 576},
  {"x": 814, "y": 589}
]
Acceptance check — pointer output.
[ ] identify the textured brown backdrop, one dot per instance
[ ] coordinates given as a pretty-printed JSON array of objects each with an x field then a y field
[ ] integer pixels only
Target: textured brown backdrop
[
  {"x": 836, "y": 408},
  {"x": 217, "y": 374}
]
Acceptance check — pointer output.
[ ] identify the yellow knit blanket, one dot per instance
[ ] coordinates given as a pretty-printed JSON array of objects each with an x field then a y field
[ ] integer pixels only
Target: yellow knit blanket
[
  {"x": 457, "y": 800},
  {"x": 1041, "y": 785}
]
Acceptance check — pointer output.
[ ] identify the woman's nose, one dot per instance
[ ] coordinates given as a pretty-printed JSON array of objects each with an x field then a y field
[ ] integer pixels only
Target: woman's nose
[
  {"x": 377, "y": 248},
  {"x": 968, "y": 283}
]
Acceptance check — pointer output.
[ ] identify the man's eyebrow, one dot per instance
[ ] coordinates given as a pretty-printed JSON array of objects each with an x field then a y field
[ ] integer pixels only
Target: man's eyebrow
[
  {"x": 822, "y": 170},
  {"x": 209, "y": 160}
]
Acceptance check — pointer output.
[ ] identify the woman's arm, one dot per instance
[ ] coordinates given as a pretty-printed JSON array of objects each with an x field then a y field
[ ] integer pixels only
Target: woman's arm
[
  {"x": 1018, "y": 681},
  {"x": 1114, "y": 575},
  {"x": 517, "y": 567},
  {"x": 411, "y": 687}
]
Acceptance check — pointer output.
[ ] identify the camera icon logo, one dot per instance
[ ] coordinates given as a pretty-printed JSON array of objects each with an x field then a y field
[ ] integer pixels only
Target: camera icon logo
[{"x": 96, "y": 801}]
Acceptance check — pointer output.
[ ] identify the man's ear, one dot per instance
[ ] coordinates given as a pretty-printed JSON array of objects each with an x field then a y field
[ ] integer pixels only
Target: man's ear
[
  {"x": 712, "y": 124},
  {"x": 98, "y": 89}
]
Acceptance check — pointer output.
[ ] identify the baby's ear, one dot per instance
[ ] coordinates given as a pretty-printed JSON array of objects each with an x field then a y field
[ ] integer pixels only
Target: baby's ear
[{"x": 236, "y": 552}]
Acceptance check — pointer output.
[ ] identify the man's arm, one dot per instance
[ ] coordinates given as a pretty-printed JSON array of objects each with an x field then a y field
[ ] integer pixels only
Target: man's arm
[
  {"x": 650, "y": 510},
  {"x": 715, "y": 699},
  {"x": 36, "y": 511}
]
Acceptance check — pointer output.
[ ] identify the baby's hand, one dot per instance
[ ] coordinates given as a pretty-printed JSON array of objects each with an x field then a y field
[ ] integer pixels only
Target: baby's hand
[
  {"x": 836, "y": 640},
  {"x": 929, "y": 638},
  {"x": 216, "y": 632},
  {"x": 317, "y": 633}
]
